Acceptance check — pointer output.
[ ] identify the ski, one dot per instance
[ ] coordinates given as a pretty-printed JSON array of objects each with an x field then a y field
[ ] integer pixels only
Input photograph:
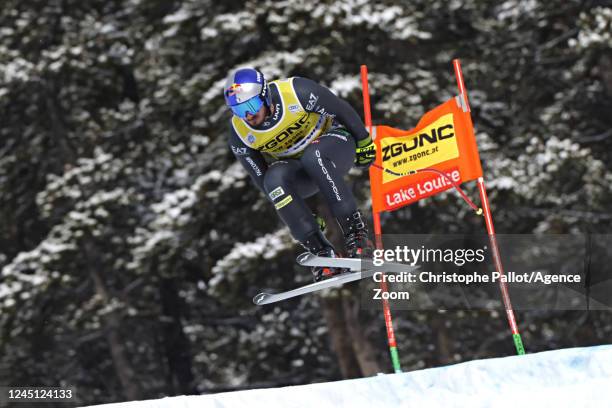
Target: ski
[
  {"x": 354, "y": 264},
  {"x": 360, "y": 269}
]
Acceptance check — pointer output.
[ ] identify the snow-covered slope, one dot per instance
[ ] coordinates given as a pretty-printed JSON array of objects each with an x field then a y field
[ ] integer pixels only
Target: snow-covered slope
[{"x": 579, "y": 377}]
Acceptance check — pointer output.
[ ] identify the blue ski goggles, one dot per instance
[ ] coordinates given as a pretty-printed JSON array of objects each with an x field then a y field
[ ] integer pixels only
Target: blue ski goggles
[{"x": 251, "y": 106}]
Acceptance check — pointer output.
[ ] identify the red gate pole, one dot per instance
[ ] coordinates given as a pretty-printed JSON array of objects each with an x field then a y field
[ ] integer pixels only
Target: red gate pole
[
  {"x": 516, "y": 336},
  {"x": 378, "y": 230}
]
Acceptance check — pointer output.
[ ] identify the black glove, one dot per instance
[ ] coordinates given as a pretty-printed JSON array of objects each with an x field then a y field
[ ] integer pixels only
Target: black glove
[{"x": 365, "y": 152}]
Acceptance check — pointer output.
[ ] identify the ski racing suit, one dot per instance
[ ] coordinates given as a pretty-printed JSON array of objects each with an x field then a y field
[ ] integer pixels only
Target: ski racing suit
[{"x": 311, "y": 137}]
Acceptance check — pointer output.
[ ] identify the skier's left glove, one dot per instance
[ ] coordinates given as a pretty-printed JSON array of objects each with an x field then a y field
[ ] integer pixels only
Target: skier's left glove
[{"x": 365, "y": 152}]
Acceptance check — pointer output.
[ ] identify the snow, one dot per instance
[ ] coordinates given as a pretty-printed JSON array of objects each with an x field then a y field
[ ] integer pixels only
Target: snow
[
  {"x": 18, "y": 69},
  {"x": 577, "y": 377},
  {"x": 595, "y": 29},
  {"x": 230, "y": 267},
  {"x": 235, "y": 22},
  {"x": 178, "y": 17},
  {"x": 512, "y": 9},
  {"x": 108, "y": 29},
  {"x": 208, "y": 32},
  {"x": 266, "y": 247},
  {"x": 344, "y": 85}
]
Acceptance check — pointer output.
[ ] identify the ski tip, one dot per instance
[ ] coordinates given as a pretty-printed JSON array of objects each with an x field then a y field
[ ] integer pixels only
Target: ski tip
[
  {"x": 303, "y": 258},
  {"x": 260, "y": 298}
]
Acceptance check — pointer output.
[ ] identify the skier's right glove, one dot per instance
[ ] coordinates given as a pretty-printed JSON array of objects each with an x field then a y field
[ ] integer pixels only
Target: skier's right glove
[{"x": 365, "y": 152}]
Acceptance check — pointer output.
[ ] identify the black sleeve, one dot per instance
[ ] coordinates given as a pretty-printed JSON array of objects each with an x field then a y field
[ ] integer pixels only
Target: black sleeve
[
  {"x": 319, "y": 99},
  {"x": 251, "y": 159}
]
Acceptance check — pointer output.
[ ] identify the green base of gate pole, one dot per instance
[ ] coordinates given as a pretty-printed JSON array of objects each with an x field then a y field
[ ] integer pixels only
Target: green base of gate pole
[
  {"x": 395, "y": 360},
  {"x": 518, "y": 343}
]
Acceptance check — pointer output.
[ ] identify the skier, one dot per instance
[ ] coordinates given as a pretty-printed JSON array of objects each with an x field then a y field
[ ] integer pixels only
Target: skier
[{"x": 311, "y": 138}]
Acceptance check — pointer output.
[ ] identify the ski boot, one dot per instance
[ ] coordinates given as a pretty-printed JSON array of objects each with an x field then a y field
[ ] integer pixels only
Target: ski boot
[
  {"x": 356, "y": 239},
  {"x": 317, "y": 244}
]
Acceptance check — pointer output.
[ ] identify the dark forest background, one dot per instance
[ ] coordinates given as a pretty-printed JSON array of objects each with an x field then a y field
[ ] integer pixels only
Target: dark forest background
[{"x": 131, "y": 243}]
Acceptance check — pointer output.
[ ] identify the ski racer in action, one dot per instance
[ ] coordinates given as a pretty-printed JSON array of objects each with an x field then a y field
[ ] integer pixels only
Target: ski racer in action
[{"x": 311, "y": 139}]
